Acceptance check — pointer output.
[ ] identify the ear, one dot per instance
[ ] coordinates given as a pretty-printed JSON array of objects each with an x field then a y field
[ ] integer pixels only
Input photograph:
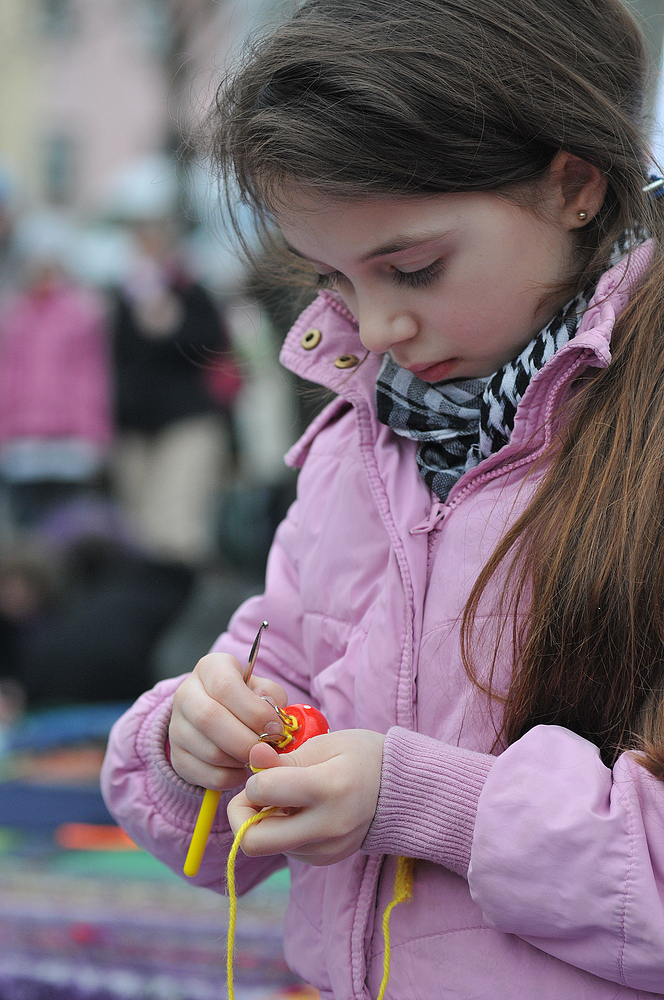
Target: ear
[{"x": 577, "y": 187}]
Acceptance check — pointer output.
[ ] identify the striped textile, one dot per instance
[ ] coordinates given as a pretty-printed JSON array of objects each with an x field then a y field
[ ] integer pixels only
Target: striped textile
[{"x": 460, "y": 422}]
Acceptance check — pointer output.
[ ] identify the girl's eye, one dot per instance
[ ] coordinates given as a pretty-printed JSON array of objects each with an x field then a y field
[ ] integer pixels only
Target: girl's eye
[
  {"x": 414, "y": 279},
  {"x": 419, "y": 279},
  {"x": 328, "y": 280}
]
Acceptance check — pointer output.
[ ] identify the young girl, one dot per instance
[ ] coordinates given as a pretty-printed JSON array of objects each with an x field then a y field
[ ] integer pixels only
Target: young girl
[{"x": 470, "y": 585}]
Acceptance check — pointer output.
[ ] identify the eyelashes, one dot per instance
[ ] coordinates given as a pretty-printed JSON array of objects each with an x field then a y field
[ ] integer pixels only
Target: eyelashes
[
  {"x": 412, "y": 279},
  {"x": 419, "y": 279}
]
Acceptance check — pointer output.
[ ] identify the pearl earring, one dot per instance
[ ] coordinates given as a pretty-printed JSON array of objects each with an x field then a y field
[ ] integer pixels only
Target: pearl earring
[{"x": 582, "y": 216}]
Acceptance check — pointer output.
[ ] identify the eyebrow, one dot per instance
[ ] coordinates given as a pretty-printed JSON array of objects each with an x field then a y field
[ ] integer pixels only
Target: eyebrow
[{"x": 395, "y": 245}]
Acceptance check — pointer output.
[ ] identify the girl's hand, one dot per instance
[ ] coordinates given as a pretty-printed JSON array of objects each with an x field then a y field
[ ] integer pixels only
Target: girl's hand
[
  {"x": 327, "y": 789},
  {"x": 217, "y": 719}
]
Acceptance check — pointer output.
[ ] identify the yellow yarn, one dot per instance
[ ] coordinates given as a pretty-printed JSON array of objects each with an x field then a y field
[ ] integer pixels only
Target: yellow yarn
[
  {"x": 232, "y": 895},
  {"x": 291, "y": 725},
  {"x": 403, "y": 891}
]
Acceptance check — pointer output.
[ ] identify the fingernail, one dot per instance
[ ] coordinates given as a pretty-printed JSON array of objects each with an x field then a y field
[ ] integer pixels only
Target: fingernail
[{"x": 274, "y": 728}]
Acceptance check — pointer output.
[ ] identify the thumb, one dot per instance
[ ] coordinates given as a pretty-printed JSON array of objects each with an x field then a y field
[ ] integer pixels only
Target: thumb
[
  {"x": 316, "y": 750},
  {"x": 263, "y": 756}
]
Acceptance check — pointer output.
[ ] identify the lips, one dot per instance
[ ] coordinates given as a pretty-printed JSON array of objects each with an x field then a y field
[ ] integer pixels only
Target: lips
[{"x": 437, "y": 372}]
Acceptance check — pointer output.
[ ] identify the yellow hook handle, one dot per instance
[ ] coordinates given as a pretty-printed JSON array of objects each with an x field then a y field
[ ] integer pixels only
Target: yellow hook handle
[
  {"x": 201, "y": 832},
  {"x": 206, "y": 813}
]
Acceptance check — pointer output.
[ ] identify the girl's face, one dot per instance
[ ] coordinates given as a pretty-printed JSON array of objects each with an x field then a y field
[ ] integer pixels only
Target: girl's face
[{"x": 451, "y": 284}]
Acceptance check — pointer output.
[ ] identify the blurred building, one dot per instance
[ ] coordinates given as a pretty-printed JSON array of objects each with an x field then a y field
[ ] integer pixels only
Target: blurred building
[
  {"x": 88, "y": 87},
  {"x": 83, "y": 92},
  {"x": 19, "y": 129},
  {"x": 651, "y": 14}
]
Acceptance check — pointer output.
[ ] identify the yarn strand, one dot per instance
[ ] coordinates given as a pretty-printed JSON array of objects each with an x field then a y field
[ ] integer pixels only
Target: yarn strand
[
  {"x": 232, "y": 894},
  {"x": 403, "y": 891}
]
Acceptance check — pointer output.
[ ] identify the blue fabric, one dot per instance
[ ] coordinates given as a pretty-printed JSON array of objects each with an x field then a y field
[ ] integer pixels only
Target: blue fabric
[{"x": 64, "y": 726}]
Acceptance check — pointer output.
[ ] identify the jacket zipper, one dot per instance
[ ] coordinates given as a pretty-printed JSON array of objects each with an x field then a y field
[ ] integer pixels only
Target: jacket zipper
[
  {"x": 432, "y": 524},
  {"x": 440, "y": 509},
  {"x": 368, "y": 881}
]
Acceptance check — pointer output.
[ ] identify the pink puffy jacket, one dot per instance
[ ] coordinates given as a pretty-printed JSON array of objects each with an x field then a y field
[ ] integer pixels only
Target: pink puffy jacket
[
  {"x": 540, "y": 872},
  {"x": 55, "y": 378}
]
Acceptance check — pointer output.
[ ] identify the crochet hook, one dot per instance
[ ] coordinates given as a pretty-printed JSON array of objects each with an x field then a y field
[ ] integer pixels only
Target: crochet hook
[{"x": 210, "y": 801}]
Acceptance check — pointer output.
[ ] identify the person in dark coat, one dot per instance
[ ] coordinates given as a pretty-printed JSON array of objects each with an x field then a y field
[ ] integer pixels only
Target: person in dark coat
[{"x": 168, "y": 336}]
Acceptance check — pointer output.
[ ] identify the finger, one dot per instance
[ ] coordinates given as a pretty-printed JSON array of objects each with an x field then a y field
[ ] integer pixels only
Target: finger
[
  {"x": 222, "y": 729},
  {"x": 197, "y": 772},
  {"x": 266, "y": 688},
  {"x": 239, "y": 810},
  {"x": 221, "y": 680},
  {"x": 282, "y": 834},
  {"x": 220, "y": 723},
  {"x": 264, "y": 756},
  {"x": 184, "y": 737},
  {"x": 312, "y": 752},
  {"x": 285, "y": 787}
]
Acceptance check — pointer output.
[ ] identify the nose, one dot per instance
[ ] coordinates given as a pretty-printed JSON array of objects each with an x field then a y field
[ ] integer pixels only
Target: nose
[{"x": 381, "y": 328}]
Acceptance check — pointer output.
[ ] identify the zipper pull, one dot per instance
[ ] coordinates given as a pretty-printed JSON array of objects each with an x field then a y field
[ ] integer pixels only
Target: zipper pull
[{"x": 436, "y": 515}]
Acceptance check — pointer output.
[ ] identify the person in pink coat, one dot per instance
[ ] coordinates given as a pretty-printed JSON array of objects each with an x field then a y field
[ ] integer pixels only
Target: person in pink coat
[
  {"x": 55, "y": 406},
  {"x": 469, "y": 584}
]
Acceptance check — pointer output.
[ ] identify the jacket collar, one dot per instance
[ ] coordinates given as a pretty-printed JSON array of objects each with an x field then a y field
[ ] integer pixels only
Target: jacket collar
[{"x": 324, "y": 346}]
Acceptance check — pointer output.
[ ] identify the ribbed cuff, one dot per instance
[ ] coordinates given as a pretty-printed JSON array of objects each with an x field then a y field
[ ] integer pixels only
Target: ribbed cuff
[
  {"x": 428, "y": 800},
  {"x": 164, "y": 787}
]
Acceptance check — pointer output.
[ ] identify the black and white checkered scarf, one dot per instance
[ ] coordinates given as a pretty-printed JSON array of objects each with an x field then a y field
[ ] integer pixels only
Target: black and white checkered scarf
[{"x": 459, "y": 423}]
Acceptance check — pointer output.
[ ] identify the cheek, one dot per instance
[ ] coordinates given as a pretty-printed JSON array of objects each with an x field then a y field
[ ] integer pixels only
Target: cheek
[
  {"x": 508, "y": 300},
  {"x": 491, "y": 333}
]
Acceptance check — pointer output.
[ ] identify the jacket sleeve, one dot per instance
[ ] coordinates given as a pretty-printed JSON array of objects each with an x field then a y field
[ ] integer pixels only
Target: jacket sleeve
[
  {"x": 558, "y": 849},
  {"x": 281, "y": 656},
  {"x": 142, "y": 791}
]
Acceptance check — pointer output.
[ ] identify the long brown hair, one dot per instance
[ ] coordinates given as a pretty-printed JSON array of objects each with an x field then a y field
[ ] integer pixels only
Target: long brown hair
[{"x": 354, "y": 98}]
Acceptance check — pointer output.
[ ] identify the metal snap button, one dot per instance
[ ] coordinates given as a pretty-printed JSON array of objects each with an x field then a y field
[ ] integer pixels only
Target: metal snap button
[
  {"x": 346, "y": 361},
  {"x": 311, "y": 339}
]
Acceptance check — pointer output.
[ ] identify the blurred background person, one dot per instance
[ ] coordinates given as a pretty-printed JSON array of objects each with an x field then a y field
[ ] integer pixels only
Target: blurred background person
[
  {"x": 55, "y": 412},
  {"x": 79, "y": 617},
  {"x": 173, "y": 422}
]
